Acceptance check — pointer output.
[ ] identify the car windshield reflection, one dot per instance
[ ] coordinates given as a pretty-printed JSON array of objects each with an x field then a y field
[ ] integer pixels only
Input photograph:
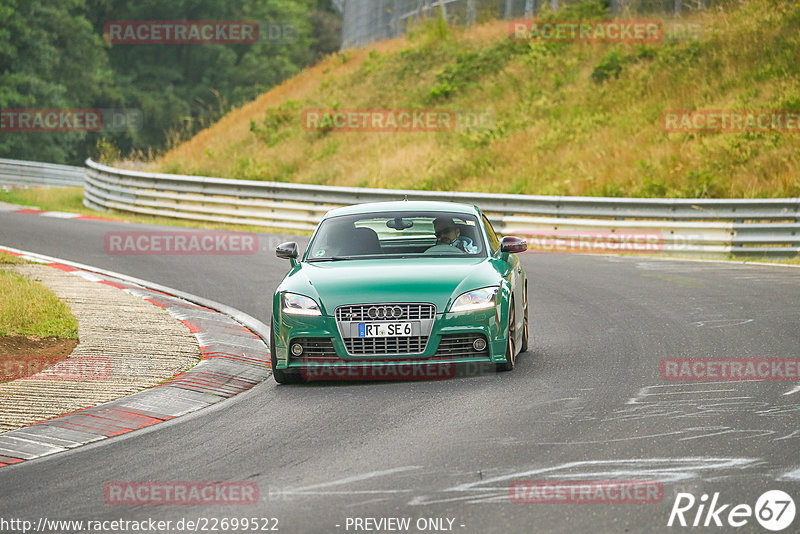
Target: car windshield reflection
[{"x": 397, "y": 235}]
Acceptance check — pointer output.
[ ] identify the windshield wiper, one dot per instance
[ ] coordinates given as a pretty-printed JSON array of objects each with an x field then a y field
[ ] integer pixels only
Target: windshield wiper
[
  {"x": 394, "y": 256},
  {"x": 333, "y": 258}
]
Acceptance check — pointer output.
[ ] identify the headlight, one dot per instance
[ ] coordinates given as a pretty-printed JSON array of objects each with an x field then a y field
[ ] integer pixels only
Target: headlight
[
  {"x": 299, "y": 305},
  {"x": 479, "y": 299}
]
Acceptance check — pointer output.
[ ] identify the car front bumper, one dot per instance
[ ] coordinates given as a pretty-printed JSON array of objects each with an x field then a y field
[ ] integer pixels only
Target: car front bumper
[{"x": 450, "y": 335}]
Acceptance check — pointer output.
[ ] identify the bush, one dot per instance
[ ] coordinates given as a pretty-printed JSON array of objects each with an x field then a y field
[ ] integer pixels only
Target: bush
[
  {"x": 275, "y": 120},
  {"x": 610, "y": 65}
]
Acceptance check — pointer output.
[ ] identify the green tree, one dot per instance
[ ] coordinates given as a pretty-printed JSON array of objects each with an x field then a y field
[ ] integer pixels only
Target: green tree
[
  {"x": 50, "y": 57},
  {"x": 53, "y": 55}
]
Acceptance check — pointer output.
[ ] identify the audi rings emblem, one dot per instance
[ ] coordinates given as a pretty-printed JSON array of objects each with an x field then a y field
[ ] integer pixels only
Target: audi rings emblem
[{"x": 385, "y": 312}]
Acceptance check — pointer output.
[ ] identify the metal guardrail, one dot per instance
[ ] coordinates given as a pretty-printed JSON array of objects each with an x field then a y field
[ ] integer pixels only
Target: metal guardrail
[
  {"x": 699, "y": 227},
  {"x": 27, "y": 173}
]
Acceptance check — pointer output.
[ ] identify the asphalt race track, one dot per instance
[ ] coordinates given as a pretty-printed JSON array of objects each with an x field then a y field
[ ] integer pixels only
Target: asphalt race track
[{"x": 586, "y": 403}]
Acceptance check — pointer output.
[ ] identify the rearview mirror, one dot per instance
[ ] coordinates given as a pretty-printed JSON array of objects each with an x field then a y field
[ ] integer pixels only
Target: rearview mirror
[
  {"x": 287, "y": 251},
  {"x": 398, "y": 223},
  {"x": 513, "y": 244}
]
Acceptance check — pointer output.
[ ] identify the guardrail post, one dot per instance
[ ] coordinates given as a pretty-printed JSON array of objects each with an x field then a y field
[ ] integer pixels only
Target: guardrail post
[{"x": 471, "y": 12}]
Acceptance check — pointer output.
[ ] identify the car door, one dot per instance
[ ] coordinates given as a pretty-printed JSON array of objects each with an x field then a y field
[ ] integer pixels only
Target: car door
[{"x": 511, "y": 270}]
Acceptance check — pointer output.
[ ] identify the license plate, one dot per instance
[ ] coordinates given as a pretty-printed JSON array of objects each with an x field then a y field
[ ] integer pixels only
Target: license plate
[{"x": 384, "y": 329}]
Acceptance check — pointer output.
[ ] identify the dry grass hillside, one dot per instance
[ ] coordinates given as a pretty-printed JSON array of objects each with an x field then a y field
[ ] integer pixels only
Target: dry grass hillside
[{"x": 569, "y": 118}]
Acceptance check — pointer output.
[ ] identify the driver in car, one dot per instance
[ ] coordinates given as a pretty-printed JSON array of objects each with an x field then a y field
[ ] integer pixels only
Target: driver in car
[{"x": 448, "y": 233}]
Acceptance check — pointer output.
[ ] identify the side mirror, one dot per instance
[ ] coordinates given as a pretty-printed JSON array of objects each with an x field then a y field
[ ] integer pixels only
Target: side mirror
[
  {"x": 287, "y": 251},
  {"x": 513, "y": 244}
]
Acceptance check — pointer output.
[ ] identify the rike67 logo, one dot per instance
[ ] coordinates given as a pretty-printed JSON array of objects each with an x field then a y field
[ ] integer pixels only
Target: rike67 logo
[{"x": 774, "y": 510}]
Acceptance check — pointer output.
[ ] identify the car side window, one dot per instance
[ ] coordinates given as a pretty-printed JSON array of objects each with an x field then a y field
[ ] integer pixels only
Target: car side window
[{"x": 494, "y": 241}]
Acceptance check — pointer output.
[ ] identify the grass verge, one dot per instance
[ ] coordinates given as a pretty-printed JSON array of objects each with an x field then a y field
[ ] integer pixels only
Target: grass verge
[
  {"x": 27, "y": 308},
  {"x": 563, "y": 118},
  {"x": 10, "y": 259}
]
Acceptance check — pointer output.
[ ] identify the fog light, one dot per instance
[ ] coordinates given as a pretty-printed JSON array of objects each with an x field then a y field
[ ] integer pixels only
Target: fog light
[
  {"x": 297, "y": 349},
  {"x": 479, "y": 344}
]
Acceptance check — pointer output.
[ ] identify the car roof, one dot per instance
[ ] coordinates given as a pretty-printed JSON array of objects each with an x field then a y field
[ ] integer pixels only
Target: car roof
[{"x": 403, "y": 205}]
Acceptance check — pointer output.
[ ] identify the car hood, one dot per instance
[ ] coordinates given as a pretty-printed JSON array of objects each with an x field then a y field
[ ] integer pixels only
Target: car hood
[{"x": 434, "y": 280}]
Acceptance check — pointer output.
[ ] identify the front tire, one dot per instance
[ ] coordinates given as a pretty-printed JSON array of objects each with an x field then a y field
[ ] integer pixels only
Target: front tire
[
  {"x": 281, "y": 376},
  {"x": 511, "y": 354}
]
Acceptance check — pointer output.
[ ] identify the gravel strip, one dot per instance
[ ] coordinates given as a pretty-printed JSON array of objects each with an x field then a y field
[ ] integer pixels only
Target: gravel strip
[{"x": 126, "y": 345}]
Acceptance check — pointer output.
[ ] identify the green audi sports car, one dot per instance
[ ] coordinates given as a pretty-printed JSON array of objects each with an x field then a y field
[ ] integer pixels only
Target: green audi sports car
[{"x": 399, "y": 285}]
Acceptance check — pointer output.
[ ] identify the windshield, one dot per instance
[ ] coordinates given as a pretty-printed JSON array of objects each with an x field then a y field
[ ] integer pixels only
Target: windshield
[{"x": 397, "y": 234}]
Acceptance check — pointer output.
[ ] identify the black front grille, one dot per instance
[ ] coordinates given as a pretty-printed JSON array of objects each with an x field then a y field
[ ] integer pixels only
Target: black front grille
[
  {"x": 314, "y": 348},
  {"x": 386, "y": 345},
  {"x": 460, "y": 346},
  {"x": 400, "y": 312},
  {"x": 451, "y": 346}
]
